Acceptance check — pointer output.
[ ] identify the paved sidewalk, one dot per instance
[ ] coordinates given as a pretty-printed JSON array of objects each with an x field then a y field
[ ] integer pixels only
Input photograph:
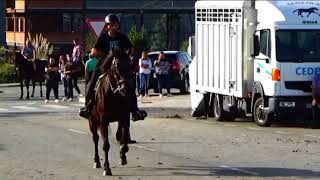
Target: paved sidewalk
[{"x": 10, "y": 85}]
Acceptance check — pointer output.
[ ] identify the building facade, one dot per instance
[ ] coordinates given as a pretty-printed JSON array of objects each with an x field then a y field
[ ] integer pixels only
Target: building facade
[{"x": 61, "y": 21}]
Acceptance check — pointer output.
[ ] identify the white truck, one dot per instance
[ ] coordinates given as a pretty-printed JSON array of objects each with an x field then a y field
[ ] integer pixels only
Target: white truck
[{"x": 255, "y": 58}]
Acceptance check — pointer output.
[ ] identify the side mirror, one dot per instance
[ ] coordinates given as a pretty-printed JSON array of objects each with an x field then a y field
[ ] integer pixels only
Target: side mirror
[{"x": 256, "y": 45}]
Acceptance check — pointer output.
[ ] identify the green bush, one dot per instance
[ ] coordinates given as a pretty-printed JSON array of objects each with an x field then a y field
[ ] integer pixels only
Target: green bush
[{"x": 7, "y": 73}]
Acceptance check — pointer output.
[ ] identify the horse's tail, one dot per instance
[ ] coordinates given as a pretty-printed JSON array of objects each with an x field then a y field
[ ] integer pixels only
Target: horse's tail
[{"x": 295, "y": 10}]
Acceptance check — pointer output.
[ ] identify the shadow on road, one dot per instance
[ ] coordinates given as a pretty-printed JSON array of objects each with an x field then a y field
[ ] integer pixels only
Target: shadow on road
[{"x": 237, "y": 171}]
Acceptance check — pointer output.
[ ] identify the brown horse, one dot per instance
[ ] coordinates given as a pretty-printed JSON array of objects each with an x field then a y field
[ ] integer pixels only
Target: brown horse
[
  {"x": 25, "y": 72},
  {"x": 112, "y": 104}
]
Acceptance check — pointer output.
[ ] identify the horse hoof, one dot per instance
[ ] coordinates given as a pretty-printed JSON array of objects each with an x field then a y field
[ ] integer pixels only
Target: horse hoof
[
  {"x": 107, "y": 172},
  {"x": 96, "y": 165},
  {"x": 21, "y": 98},
  {"x": 32, "y": 95},
  {"x": 28, "y": 97},
  {"x": 124, "y": 161}
]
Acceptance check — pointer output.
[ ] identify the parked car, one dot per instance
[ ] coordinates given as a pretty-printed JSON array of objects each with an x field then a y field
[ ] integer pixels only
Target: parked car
[{"x": 179, "y": 69}]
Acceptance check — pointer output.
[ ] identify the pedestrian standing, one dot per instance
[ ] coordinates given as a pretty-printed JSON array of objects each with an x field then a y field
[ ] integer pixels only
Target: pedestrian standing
[
  {"x": 315, "y": 100},
  {"x": 77, "y": 52},
  {"x": 162, "y": 66},
  {"x": 90, "y": 67},
  {"x": 68, "y": 73},
  {"x": 144, "y": 73},
  {"x": 52, "y": 79},
  {"x": 62, "y": 68}
]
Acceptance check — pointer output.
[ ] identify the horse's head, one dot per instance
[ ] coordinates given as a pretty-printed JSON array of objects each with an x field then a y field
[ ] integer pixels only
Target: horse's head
[
  {"x": 18, "y": 59},
  {"x": 314, "y": 9},
  {"x": 119, "y": 72}
]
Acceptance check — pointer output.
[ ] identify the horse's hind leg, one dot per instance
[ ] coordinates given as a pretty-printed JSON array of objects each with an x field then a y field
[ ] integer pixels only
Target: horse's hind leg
[
  {"x": 41, "y": 94},
  {"x": 106, "y": 147},
  {"x": 27, "y": 85},
  {"x": 95, "y": 137},
  {"x": 21, "y": 89},
  {"x": 33, "y": 87}
]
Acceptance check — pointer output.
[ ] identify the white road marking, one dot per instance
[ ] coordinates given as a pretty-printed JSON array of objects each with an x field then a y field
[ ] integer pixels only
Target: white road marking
[
  {"x": 4, "y": 110},
  {"x": 77, "y": 105},
  {"x": 253, "y": 128},
  {"x": 54, "y": 106},
  {"x": 240, "y": 170},
  {"x": 25, "y": 108},
  {"x": 230, "y": 125},
  {"x": 76, "y": 131},
  {"x": 312, "y": 136},
  {"x": 282, "y": 132},
  {"x": 142, "y": 147}
]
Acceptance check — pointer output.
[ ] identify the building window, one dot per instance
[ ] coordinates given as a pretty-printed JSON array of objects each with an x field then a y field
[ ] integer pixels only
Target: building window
[{"x": 66, "y": 22}]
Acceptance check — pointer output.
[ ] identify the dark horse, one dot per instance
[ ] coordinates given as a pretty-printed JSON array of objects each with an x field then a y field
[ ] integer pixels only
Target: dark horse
[
  {"x": 112, "y": 104},
  {"x": 25, "y": 72}
]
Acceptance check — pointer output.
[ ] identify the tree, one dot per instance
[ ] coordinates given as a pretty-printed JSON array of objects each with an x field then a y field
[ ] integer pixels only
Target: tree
[
  {"x": 90, "y": 39},
  {"x": 158, "y": 38},
  {"x": 42, "y": 46},
  {"x": 138, "y": 39}
]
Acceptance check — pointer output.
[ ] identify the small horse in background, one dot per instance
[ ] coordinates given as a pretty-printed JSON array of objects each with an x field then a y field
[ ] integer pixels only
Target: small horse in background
[
  {"x": 112, "y": 104},
  {"x": 25, "y": 72}
]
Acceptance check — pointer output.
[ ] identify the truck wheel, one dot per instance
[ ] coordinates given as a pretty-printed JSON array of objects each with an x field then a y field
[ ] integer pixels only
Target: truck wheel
[
  {"x": 260, "y": 117},
  {"x": 218, "y": 112}
]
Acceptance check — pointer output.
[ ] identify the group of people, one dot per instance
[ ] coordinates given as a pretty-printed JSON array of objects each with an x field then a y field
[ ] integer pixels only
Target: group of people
[
  {"x": 67, "y": 69},
  {"x": 162, "y": 74}
]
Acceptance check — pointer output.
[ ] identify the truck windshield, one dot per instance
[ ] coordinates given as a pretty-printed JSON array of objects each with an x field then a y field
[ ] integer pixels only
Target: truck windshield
[{"x": 298, "y": 45}]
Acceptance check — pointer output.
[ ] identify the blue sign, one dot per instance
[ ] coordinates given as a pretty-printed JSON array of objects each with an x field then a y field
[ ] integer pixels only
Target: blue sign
[{"x": 302, "y": 71}]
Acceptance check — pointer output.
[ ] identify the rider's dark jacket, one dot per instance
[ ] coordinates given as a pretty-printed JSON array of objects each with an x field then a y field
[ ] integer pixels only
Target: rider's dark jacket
[{"x": 106, "y": 44}]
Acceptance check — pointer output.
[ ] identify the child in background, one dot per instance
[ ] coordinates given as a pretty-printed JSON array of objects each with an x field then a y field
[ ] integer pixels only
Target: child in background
[{"x": 62, "y": 67}]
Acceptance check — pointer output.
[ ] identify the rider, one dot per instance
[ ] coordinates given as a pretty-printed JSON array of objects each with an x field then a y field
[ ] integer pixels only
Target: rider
[
  {"x": 29, "y": 53},
  {"x": 108, "y": 42}
]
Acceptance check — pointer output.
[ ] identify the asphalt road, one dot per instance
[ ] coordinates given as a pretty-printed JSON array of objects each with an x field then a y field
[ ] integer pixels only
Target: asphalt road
[{"x": 50, "y": 141}]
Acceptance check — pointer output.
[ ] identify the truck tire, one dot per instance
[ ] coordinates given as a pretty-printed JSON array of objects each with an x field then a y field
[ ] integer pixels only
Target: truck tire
[
  {"x": 218, "y": 112},
  {"x": 260, "y": 117}
]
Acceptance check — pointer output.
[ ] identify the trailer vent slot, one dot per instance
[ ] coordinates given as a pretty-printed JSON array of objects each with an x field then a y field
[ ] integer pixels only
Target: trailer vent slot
[{"x": 219, "y": 15}]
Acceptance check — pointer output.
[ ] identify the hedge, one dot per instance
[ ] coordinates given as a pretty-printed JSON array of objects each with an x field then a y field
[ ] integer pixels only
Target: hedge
[{"x": 7, "y": 73}]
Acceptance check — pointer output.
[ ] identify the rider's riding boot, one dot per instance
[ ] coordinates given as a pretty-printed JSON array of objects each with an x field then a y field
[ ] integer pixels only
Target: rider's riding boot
[
  {"x": 85, "y": 111},
  {"x": 139, "y": 115}
]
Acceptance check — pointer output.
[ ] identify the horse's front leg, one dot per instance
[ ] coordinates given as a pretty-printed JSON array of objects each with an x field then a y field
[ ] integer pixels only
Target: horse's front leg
[
  {"x": 106, "y": 147},
  {"x": 95, "y": 136},
  {"x": 124, "y": 148},
  {"x": 33, "y": 87},
  {"x": 27, "y": 86},
  {"x": 21, "y": 89}
]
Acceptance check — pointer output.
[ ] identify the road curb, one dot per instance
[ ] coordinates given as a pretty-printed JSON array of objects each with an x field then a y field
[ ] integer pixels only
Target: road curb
[
  {"x": 18, "y": 84},
  {"x": 10, "y": 85}
]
